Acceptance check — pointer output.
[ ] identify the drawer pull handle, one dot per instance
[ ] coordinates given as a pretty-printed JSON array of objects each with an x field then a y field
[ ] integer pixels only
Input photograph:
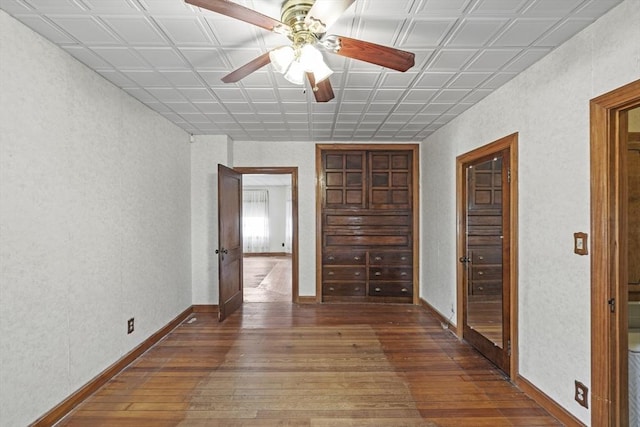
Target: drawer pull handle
[
  {"x": 332, "y": 288},
  {"x": 357, "y": 258},
  {"x": 480, "y": 257},
  {"x": 331, "y": 258},
  {"x": 404, "y": 258},
  {"x": 404, "y": 273},
  {"x": 378, "y": 273},
  {"x": 404, "y": 290},
  {"x": 378, "y": 258},
  {"x": 357, "y": 288},
  {"x": 480, "y": 273},
  {"x": 357, "y": 273},
  {"x": 378, "y": 289},
  {"x": 330, "y": 273},
  {"x": 480, "y": 288}
]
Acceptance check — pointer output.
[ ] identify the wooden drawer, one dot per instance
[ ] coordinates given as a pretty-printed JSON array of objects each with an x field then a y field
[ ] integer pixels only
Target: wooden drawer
[
  {"x": 390, "y": 220},
  {"x": 486, "y": 273},
  {"x": 344, "y": 289},
  {"x": 373, "y": 238},
  {"x": 343, "y": 273},
  {"x": 391, "y": 289},
  {"x": 344, "y": 258},
  {"x": 486, "y": 288},
  {"x": 390, "y": 273},
  {"x": 486, "y": 256},
  {"x": 390, "y": 258}
]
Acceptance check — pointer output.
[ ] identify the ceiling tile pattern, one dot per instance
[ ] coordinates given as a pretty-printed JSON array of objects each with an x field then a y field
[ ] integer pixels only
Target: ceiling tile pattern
[{"x": 171, "y": 56}]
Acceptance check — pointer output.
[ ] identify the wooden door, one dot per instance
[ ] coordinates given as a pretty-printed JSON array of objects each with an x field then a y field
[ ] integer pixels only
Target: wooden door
[
  {"x": 486, "y": 257},
  {"x": 229, "y": 241}
]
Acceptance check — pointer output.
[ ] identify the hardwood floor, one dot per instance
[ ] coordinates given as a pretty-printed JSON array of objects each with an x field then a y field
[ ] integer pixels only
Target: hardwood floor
[
  {"x": 267, "y": 278},
  {"x": 279, "y": 364}
]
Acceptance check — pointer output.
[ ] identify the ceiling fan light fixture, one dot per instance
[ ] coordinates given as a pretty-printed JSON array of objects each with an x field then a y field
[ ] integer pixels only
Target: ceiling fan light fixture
[
  {"x": 313, "y": 62},
  {"x": 281, "y": 58},
  {"x": 295, "y": 73},
  {"x": 322, "y": 72}
]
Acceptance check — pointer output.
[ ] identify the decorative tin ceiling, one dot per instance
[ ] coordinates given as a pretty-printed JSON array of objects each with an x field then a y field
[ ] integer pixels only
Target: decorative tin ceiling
[{"x": 171, "y": 56}]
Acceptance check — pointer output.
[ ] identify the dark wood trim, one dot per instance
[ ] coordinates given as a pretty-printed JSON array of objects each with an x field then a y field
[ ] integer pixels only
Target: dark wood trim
[
  {"x": 63, "y": 408},
  {"x": 307, "y": 300},
  {"x": 509, "y": 142},
  {"x": 295, "y": 252},
  {"x": 633, "y": 138},
  {"x": 319, "y": 185},
  {"x": 608, "y": 263},
  {"x": 415, "y": 152},
  {"x": 205, "y": 308},
  {"x": 547, "y": 403},
  {"x": 441, "y": 318}
]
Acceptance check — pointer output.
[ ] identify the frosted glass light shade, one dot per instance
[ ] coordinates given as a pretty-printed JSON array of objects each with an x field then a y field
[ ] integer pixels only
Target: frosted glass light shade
[
  {"x": 281, "y": 58},
  {"x": 310, "y": 57},
  {"x": 321, "y": 72},
  {"x": 295, "y": 73}
]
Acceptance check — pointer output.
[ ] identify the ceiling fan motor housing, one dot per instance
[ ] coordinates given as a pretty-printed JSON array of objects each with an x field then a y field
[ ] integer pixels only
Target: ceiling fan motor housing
[{"x": 294, "y": 13}]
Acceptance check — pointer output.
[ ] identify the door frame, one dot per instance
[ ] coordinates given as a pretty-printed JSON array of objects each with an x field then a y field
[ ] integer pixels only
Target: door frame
[
  {"x": 293, "y": 171},
  {"x": 509, "y": 142},
  {"x": 608, "y": 259}
]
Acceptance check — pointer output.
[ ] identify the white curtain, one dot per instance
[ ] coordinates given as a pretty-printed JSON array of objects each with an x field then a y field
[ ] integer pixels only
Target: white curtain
[
  {"x": 288, "y": 222},
  {"x": 255, "y": 220}
]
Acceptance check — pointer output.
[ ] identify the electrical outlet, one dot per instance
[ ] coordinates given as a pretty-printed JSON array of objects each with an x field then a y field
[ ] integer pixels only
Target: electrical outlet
[
  {"x": 130, "y": 326},
  {"x": 582, "y": 394}
]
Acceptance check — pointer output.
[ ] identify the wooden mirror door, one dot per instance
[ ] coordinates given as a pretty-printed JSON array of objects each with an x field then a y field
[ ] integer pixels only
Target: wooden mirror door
[{"x": 486, "y": 250}]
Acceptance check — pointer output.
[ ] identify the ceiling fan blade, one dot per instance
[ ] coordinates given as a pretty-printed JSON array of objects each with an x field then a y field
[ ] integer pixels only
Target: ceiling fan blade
[
  {"x": 247, "y": 69},
  {"x": 324, "y": 13},
  {"x": 322, "y": 91},
  {"x": 384, "y": 56},
  {"x": 242, "y": 13}
]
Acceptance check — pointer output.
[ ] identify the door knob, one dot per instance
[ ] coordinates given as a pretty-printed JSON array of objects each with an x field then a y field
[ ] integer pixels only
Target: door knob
[{"x": 222, "y": 251}]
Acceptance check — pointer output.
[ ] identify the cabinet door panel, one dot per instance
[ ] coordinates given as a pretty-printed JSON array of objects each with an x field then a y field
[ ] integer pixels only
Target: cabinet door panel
[{"x": 390, "y": 180}]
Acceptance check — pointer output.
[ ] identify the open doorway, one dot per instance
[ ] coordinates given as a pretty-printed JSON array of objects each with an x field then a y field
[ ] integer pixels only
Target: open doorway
[
  {"x": 612, "y": 284},
  {"x": 269, "y": 223}
]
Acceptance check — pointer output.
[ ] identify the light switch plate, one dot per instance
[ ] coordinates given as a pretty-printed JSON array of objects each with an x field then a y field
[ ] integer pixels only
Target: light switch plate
[{"x": 580, "y": 243}]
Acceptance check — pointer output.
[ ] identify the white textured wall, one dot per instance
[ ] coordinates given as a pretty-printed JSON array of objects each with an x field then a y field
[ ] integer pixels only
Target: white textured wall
[
  {"x": 291, "y": 154},
  {"x": 207, "y": 152},
  {"x": 549, "y": 106},
  {"x": 94, "y": 223}
]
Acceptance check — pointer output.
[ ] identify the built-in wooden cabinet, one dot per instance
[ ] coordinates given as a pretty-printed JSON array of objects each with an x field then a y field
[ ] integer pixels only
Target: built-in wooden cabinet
[{"x": 367, "y": 223}]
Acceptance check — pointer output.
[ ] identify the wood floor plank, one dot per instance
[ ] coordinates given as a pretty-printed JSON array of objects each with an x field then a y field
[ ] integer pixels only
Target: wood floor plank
[{"x": 278, "y": 364}]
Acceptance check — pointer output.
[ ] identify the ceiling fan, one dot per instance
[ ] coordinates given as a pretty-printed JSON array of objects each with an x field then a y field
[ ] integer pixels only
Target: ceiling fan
[{"x": 305, "y": 23}]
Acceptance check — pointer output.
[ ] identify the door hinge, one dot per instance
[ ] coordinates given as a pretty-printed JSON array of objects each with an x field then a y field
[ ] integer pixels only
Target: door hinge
[
  {"x": 508, "y": 347},
  {"x": 509, "y": 175},
  {"x": 612, "y": 305}
]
